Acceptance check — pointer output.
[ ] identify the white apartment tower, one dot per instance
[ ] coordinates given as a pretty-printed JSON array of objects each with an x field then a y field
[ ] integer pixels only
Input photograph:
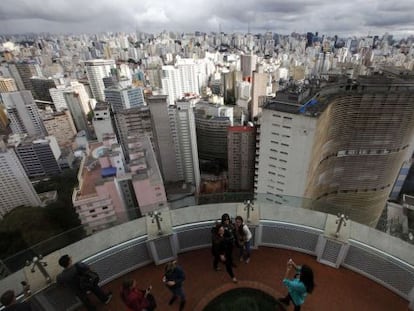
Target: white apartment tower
[
  {"x": 286, "y": 139},
  {"x": 185, "y": 141},
  {"x": 180, "y": 79},
  {"x": 15, "y": 187},
  {"x": 96, "y": 70}
]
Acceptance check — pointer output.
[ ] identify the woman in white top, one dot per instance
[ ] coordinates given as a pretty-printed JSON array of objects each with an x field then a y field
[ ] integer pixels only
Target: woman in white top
[{"x": 243, "y": 237}]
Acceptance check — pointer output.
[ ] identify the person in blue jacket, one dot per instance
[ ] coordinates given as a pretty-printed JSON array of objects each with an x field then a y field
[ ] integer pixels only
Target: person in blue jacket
[{"x": 299, "y": 286}]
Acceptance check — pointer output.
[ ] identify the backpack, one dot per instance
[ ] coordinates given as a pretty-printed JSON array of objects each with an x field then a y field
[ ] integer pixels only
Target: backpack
[{"x": 87, "y": 277}]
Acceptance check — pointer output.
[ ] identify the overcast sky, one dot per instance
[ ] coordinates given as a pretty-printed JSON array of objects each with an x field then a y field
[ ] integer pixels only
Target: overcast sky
[{"x": 351, "y": 17}]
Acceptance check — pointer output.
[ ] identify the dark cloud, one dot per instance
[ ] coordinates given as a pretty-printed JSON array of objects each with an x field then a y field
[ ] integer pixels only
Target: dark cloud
[{"x": 350, "y": 17}]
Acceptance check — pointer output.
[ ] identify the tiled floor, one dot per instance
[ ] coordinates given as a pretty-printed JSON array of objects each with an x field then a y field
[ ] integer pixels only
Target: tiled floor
[{"x": 336, "y": 289}]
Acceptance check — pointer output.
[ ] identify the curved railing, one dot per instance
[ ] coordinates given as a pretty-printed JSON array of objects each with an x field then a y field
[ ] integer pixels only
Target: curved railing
[{"x": 376, "y": 255}]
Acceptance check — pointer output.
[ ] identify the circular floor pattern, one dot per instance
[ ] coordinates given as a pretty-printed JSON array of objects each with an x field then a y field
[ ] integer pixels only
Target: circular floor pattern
[{"x": 243, "y": 299}]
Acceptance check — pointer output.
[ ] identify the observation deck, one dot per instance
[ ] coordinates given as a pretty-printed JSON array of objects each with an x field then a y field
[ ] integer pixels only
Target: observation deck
[{"x": 356, "y": 268}]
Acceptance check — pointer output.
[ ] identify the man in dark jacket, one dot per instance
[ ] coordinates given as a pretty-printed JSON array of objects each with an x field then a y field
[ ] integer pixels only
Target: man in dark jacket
[
  {"x": 70, "y": 277},
  {"x": 173, "y": 278}
]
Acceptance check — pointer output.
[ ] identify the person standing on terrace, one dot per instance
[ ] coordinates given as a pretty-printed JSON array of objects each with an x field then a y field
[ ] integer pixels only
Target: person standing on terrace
[{"x": 299, "y": 286}]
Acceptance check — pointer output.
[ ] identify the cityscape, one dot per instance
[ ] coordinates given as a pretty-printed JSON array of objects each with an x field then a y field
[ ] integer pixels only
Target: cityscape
[{"x": 107, "y": 123}]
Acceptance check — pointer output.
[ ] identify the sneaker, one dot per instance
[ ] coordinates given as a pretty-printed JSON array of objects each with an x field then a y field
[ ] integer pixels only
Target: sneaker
[
  {"x": 108, "y": 299},
  {"x": 247, "y": 260},
  {"x": 234, "y": 280}
]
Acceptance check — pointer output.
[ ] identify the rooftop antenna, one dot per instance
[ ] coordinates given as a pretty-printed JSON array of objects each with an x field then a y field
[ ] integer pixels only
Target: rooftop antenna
[{"x": 248, "y": 27}]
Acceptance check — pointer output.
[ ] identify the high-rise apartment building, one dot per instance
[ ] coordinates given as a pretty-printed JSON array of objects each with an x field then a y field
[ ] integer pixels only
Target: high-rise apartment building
[
  {"x": 77, "y": 112},
  {"x": 15, "y": 187},
  {"x": 260, "y": 81},
  {"x": 212, "y": 122},
  {"x": 247, "y": 64},
  {"x": 180, "y": 79},
  {"x": 110, "y": 192},
  {"x": 61, "y": 126},
  {"x": 23, "y": 71},
  {"x": 40, "y": 88},
  {"x": 364, "y": 137},
  {"x": 39, "y": 156},
  {"x": 57, "y": 98},
  {"x": 285, "y": 140},
  {"x": 344, "y": 142},
  {"x": 23, "y": 113},
  {"x": 101, "y": 121},
  {"x": 7, "y": 85},
  {"x": 163, "y": 139},
  {"x": 185, "y": 141},
  {"x": 124, "y": 98},
  {"x": 96, "y": 70},
  {"x": 133, "y": 122},
  {"x": 241, "y": 148}
]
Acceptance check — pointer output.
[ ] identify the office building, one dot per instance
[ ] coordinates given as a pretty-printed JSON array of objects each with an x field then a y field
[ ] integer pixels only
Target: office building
[
  {"x": 16, "y": 188},
  {"x": 241, "y": 146},
  {"x": 96, "y": 70},
  {"x": 23, "y": 113}
]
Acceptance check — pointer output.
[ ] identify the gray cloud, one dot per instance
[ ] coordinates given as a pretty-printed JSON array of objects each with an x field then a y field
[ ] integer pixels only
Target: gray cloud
[{"x": 352, "y": 17}]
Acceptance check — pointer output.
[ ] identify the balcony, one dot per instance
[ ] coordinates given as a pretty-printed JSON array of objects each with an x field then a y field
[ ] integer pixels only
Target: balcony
[{"x": 356, "y": 268}]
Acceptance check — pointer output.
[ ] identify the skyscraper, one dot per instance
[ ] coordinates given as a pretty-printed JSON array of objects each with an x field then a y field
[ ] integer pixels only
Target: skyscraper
[
  {"x": 342, "y": 144},
  {"x": 7, "y": 85},
  {"x": 101, "y": 121},
  {"x": 15, "y": 187},
  {"x": 285, "y": 140},
  {"x": 185, "y": 141},
  {"x": 96, "y": 70},
  {"x": 133, "y": 122},
  {"x": 39, "y": 156},
  {"x": 23, "y": 113},
  {"x": 61, "y": 126},
  {"x": 23, "y": 71},
  {"x": 75, "y": 107},
  {"x": 180, "y": 79},
  {"x": 241, "y": 146},
  {"x": 124, "y": 98},
  {"x": 40, "y": 88},
  {"x": 364, "y": 136},
  {"x": 163, "y": 138},
  {"x": 259, "y": 88}
]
